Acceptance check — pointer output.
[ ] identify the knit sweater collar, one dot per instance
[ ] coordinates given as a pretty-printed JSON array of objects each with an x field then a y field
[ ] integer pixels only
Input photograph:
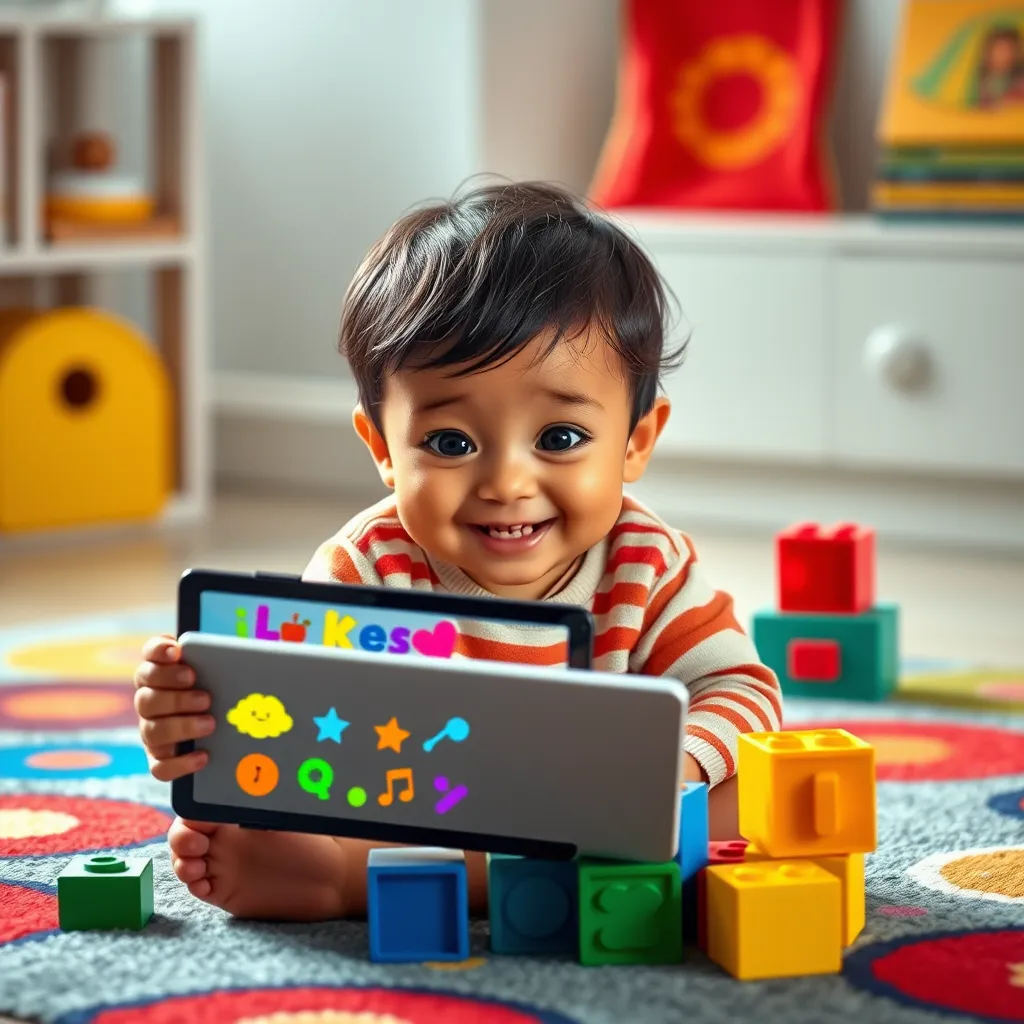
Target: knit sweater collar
[{"x": 579, "y": 590}]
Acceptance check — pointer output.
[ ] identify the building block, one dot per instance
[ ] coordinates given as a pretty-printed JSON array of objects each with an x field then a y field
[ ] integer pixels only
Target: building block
[
  {"x": 867, "y": 664},
  {"x": 630, "y": 913},
  {"x": 105, "y": 892},
  {"x": 826, "y": 569},
  {"x": 813, "y": 661},
  {"x": 808, "y": 793},
  {"x": 730, "y": 851},
  {"x": 533, "y": 904},
  {"x": 849, "y": 869},
  {"x": 774, "y": 919},
  {"x": 417, "y": 905},
  {"x": 692, "y": 854}
]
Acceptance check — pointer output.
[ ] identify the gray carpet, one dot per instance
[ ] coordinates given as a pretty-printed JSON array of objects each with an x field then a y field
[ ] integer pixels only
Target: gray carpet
[{"x": 189, "y": 949}]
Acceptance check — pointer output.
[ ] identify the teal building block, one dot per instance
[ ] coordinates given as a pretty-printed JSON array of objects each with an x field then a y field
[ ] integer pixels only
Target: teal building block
[
  {"x": 868, "y": 651},
  {"x": 105, "y": 892},
  {"x": 533, "y": 905},
  {"x": 630, "y": 913}
]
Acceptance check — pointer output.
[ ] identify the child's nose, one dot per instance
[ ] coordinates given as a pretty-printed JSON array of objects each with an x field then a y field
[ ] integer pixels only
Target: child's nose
[{"x": 506, "y": 479}]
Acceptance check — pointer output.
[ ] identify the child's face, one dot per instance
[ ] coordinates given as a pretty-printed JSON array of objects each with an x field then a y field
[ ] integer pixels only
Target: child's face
[
  {"x": 1003, "y": 55},
  {"x": 539, "y": 444}
]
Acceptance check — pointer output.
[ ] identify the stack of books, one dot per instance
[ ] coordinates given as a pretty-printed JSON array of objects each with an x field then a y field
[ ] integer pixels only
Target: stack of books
[{"x": 951, "y": 133}]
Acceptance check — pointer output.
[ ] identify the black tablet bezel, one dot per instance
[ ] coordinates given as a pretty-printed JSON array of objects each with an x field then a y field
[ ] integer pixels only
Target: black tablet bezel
[{"x": 578, "y": 622}]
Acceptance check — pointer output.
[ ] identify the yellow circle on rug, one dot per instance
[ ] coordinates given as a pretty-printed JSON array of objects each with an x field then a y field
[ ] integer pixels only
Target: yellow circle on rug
[
  {"x": 456, "y": 965},
  {"x": 72, "y": 706},
  {"x": 1000, "y": 872},
  {"x": 109, "y": 659},
  {"x": 22, "y": 823},
  {"x": 909, "y": 749}
]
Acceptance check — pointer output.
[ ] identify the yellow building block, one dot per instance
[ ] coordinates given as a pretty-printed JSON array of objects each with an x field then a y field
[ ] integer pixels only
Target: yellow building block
[
  {"x": 774, "y": 919},
  {"x": 85, "y": 421},
  {"x": 807, "y": 794},
  {"x": 849, "y": 869}
]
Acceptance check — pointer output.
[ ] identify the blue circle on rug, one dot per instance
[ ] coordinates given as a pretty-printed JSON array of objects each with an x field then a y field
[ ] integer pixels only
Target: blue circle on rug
[
  {"x": 73, "y": 761},
  {"x": 1010, "y": 804}
]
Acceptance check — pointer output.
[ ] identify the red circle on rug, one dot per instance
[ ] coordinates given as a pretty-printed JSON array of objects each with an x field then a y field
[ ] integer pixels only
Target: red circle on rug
[
  {"x": 978, "y": 973},
  {"x": 58, "y": 707},
  {"x": 35, "y": 825},
  {"x": 27, "y": 911},
  {"x": 935, "y": 751},
  {"x": 417, "y": 1006}
]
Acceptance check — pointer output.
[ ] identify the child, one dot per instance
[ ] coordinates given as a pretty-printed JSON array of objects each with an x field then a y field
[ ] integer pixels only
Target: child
[{"x": 507, "y": 348}]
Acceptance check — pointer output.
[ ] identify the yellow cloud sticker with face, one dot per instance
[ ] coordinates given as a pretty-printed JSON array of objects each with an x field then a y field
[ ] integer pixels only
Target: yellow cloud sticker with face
[{"x": 260, "y": 716}]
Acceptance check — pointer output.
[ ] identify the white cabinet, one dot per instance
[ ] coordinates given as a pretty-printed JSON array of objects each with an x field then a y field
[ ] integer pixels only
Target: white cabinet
[
  {"x": 928, "y": 367},
  {"x": 751, "y": 385},
  {"x": 844, "y": 343}
]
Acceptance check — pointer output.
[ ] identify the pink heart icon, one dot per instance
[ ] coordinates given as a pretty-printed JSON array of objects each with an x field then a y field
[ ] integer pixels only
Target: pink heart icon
[{"x": 437, "y": 644}]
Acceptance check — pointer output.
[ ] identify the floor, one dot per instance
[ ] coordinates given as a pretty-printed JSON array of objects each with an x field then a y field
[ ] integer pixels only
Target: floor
[{"x": 953, "y": 604}]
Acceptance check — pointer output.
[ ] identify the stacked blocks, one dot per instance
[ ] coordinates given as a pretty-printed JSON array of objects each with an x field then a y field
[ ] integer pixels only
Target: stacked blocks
[
  {"x": 829, "y": 636},
  {"x": 728, "y": 852},
  {"x": 417, "y": 905},
  {"x": 533, "y": 905},
  {"x": 692, "y": 856},
  {"x": 807, "y": 806},
  {"x": 105, "y": 892}
]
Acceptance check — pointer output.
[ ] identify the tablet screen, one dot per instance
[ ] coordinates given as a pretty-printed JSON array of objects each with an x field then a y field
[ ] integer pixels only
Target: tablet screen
[{"x": 381, "y": 630}]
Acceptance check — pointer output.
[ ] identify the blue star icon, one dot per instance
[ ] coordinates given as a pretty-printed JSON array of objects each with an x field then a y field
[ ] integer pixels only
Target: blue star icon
[{"x": 331, "y": 726}]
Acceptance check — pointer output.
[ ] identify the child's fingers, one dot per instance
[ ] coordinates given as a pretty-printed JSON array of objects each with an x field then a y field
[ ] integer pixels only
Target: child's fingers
[
  {"x": 165, "y": 732},
  {"x": 163, "y": 649},
  {"x": 150, "y": 703},
  {"x": 164, "y": 677},
  {"x": 167, "y": 769}
]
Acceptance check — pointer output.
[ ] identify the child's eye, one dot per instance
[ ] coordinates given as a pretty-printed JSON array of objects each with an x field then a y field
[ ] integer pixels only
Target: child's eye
[
  {"x": 449, "y": 443},
  {"x": 561, "y": 439}
]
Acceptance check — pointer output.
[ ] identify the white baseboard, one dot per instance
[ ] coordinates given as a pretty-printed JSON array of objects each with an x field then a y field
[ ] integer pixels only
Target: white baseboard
[{"x": 296, "y": 432}]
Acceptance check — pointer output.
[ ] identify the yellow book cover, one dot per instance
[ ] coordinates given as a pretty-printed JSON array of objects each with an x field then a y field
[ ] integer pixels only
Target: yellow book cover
[{"x": 957, "y": 75}]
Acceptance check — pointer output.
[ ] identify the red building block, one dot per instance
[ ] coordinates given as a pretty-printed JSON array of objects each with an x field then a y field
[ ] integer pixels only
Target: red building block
[
  {"x": 814, "y": 661},
  {"x": 829, "y": 570},
  {"x": 732, "y": 851}
]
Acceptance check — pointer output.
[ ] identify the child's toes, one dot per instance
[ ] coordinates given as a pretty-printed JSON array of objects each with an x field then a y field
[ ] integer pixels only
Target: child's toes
[
  {"x": 185, "y": 841},
  {"x": 190, "y": 870}
]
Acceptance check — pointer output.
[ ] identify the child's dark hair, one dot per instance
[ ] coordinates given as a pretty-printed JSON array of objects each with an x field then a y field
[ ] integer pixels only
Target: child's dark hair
[{"x": 469, "y": 282}]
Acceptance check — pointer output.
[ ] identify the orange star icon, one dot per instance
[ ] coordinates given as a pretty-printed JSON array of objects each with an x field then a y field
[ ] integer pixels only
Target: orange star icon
[{"x": 391, "y": 736}]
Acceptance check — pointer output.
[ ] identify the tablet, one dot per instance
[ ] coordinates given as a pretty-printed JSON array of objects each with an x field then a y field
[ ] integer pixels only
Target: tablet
[
  {"x": 477, "y": 755},
  {"x": 378, "y": 620}
]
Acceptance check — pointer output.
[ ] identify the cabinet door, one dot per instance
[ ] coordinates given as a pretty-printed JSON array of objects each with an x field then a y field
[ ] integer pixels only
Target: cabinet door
[
  {"x": 754, "y": 380},
  {"x": 929, "y": 366}
]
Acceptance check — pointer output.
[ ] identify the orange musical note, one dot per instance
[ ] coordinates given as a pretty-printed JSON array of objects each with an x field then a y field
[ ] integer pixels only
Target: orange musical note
[{"x": 393, "y": 776}]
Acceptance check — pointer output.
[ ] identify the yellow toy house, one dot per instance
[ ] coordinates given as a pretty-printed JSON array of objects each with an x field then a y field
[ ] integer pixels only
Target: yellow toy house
[{"x": 85, "y": 421}]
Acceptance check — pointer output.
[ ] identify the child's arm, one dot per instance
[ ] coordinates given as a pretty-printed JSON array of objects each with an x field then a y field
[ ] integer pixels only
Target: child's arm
[{"x": 695, "y": 638}]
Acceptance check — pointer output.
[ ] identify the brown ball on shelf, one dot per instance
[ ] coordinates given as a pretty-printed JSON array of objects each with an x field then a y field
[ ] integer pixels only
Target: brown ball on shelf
[{"x": 93, "y": 151}]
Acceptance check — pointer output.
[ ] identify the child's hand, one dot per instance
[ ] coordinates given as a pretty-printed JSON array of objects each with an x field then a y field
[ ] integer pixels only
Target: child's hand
[{"x": 169, "y": 709}]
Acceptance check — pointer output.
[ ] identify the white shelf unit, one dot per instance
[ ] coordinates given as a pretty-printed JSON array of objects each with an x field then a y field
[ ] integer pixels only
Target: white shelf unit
[{"x": 42, "y": 59}]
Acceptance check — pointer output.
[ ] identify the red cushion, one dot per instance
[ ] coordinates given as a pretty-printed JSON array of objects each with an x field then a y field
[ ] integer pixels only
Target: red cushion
[{"x": 722, "y": 106}]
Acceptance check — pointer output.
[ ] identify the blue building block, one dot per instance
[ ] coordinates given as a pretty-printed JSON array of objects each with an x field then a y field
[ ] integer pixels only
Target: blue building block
[
  {"x": 693, "y": 850},
  {"x": 534, "y": 905},
  {"x": 417, "y": 905},
  {"x": 868, "y": 650}
]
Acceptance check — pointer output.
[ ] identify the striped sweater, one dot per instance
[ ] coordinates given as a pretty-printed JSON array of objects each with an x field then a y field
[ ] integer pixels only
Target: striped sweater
[{"x": 655, "y": 614}]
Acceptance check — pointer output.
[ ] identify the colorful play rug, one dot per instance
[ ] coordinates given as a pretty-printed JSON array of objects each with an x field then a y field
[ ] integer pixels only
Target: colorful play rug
[{"x": 945, "y": 891}]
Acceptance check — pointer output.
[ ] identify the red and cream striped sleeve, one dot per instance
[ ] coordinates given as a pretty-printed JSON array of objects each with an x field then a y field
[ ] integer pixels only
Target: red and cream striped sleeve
[
  {"x": 345, "y": 558},
  {"x": 691, "y": 634}
]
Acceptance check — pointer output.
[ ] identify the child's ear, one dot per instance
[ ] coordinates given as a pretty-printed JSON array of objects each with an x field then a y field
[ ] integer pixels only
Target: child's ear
[
  {"x": 372, "y": 438},
  {"x": 643, "y": 439}
]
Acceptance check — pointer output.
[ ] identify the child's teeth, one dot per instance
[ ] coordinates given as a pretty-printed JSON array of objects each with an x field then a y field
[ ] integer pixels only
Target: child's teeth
[{"x": 512, "y": 533}]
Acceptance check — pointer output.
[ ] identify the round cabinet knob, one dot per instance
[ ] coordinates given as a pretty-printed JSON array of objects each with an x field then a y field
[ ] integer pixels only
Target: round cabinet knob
[{"x": 898, "y": 357}]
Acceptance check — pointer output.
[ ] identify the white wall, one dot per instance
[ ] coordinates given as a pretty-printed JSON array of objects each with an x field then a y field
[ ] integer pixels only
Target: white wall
[{"x": 325, "y": 119}]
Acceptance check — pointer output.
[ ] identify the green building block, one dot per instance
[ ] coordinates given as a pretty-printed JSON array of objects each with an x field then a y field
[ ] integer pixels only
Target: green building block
[
  {"x": 868, "y": 643},
  {"x": 105, "y": 892},
  {"x": 630, "y": 913}
]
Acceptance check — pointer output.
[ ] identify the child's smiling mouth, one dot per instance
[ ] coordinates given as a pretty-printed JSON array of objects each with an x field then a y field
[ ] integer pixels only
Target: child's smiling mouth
[{"x": 506, "y": 538}]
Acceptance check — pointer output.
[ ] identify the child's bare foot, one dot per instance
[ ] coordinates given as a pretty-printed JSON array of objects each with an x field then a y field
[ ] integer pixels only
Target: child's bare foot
[{"x": 264, "y": 875}]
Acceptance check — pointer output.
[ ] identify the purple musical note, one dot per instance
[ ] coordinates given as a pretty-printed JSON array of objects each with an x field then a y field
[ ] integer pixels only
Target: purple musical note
[{"x": 452, "y": 795}]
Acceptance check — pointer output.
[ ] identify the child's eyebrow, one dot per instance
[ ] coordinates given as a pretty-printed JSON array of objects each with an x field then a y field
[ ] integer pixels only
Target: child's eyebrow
[{"x": 565, "y": 397}]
